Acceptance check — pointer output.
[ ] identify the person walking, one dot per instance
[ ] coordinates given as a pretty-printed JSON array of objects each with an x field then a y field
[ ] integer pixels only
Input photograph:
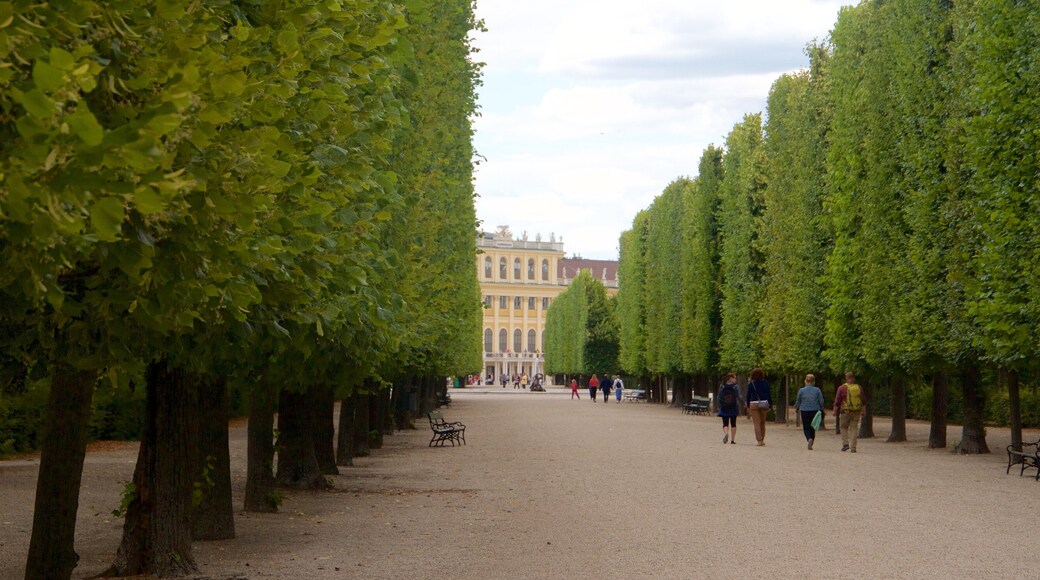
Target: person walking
[
  {"x": 759, "y": 401},
  {"x": 505, "y": 379},
  {"x": 606, "y": 384},
  {"x": 848, "y": 401},
  {"x": 809, "y": 402},
  {"x": 619, "y": 386},
  {"x": 574, "y": 389},
  {"x": 523, "y": 380},
  {"x": 593, "y": 387},
  {"x": 729, "y": 402}
]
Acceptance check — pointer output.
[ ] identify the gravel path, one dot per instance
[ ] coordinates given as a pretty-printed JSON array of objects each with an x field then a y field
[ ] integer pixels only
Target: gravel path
[{"x": 553, "y": 488}]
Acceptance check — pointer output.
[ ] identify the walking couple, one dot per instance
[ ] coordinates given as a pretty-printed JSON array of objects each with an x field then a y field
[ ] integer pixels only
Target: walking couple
[{"x": 730, "y": 401}]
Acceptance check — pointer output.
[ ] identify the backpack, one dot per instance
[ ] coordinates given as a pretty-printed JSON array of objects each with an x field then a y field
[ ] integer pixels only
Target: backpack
[
  {"x": 728, "y": 397},
  {"x": 854, "y": 398}
]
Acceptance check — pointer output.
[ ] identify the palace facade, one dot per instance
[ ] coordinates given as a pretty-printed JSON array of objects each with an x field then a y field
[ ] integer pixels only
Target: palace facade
[{"x": 519, "y": 279}]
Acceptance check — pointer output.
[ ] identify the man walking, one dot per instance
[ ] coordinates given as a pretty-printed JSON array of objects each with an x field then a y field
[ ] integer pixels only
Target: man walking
[{"x": 848, "y": 404}]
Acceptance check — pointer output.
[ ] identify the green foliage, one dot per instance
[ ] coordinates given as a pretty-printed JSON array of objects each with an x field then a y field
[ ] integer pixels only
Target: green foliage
[
  {"x": 662, "y": 280},
  {"x": 631, "y": 299},
  {"x": 567, "y": 328},
  {"x": 740, "y": 251},
  {"x": 698, "y": 264}
]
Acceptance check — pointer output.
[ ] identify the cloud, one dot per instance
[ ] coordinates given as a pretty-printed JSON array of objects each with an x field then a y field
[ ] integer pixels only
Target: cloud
[{"x": 589, "y": 109}]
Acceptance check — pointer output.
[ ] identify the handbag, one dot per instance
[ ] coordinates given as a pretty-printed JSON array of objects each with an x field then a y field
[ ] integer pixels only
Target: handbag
[
  {"x": 757, "y": 404},
  {"x": 817, "y": 420}
]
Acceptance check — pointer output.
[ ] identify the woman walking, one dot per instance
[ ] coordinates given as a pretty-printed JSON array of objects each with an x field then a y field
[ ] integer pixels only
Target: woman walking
[
  {"x": 809, "y": 402},
  {"x": 729, "y": 402},
  {"x": 593, "y": 387},
  {"x": 605, "y": 384},
  {"x": 574, "y": 389},
  {"x": 760, "y": 400},
  {"x": 619, "y": 386}
]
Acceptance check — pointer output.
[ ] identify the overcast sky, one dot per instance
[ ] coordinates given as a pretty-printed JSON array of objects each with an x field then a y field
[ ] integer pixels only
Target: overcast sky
[{"x": 591, "y": 107}]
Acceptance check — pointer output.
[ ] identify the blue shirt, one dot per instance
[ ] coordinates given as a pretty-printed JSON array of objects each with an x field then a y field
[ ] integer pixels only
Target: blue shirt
[{"x": 810, "y": 398}]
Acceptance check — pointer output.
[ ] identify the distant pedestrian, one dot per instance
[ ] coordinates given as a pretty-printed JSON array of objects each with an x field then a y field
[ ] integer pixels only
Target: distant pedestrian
[
  {"x": 809, "y": 402},
  {"x": 574, "y": 389},
  {"x": 729, "y": 401},
  {"x": 593, "y": 387},
  {"x": 523, "y": 380},
  {"x": 619, "y": 386},
  {"x": 759, "y": 401},
  {"x": 606, "y": 384},
  {"x": 848, "y": 401},
  {"x": 505, "y": 380},
  {"x": 516, "y": 380}
]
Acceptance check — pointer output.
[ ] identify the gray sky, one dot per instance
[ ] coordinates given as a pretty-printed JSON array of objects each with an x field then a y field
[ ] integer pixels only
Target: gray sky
[{"x": 590, "y": 108}]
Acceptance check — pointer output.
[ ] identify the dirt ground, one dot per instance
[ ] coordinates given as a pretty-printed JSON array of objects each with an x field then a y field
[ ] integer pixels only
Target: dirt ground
[{"x": 553, "y": 488}]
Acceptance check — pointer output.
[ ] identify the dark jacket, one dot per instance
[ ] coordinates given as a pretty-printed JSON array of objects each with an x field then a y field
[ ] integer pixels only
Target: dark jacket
[{"x": 758, "y": 390}]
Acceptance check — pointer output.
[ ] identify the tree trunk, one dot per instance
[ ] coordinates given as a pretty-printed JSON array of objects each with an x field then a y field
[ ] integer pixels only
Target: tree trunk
[
  {"x": 157, "y": 529},
  {"x": 323, "y": 405},
  {"x": 297, "y": 463},
  {"x": 781, "y": 411},
  {"x": 898, "y": 410},
  {"x": 345, "y": 436},
  {"x": 1014, "y": 408},
  {"x": 260, "y": 485},
  {"x": 866, "y": 425},
  {"x": 51, "y": 549},
  {"x": 973, "y": 434},
  {"x": 937, "y": 434},
  {"x": 388, "y": 412},
  {"x": 361, "y": 404},
  {"x": 375, "y": 419},
  {"x": 213, "y": 517}
]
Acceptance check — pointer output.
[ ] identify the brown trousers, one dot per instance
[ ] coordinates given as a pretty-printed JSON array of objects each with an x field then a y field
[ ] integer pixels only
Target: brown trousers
[
  {"x": 849, "y": 429},
  {"x": 758, "y": 417}
]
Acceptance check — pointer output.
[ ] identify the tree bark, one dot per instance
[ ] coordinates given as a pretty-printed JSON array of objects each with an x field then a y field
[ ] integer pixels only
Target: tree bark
[
  {"x": 973, "y": 434},
  {"x": 361, "y": 404},
  {"x": 898, "y": 410},
  {"x": 51, "y": 548},
  {"x": 323, "y": 405},
  {"x": 375, "y": 419},
  {"x": 297, "y": 462},
  {"x": 388, "y": 412},
  {"x": 1014, "y": 408},
  {"x": 213, "y": 517},
  {"x": 937, "y": 434},
  {"x": 345, "y": 436},
  {"x": 866, "y": 425},
  {"x": 260, "y": 485},
  {"x": 781, "y": 411},
  {"x": 157, "y": 530}
]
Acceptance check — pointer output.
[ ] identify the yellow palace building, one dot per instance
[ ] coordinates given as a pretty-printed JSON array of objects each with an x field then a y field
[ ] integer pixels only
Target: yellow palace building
[{"x": 519, "y": 279}]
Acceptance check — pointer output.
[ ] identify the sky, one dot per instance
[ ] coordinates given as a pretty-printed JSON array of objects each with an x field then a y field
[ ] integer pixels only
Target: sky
[{"x": 590, "y": 108}]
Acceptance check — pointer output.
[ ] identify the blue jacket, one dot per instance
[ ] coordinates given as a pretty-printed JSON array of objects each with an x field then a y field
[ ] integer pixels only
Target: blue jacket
[
  {"x": 810, "y": 398},
  {"x": 732, "y": 410},
  {"x": 758, "y": 390}
]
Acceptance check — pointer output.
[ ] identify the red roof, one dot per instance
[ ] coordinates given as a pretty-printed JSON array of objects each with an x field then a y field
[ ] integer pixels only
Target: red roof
[{"x": 568, "y": 268}]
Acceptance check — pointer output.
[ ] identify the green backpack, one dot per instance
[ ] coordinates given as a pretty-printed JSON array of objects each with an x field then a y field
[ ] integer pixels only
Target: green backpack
[{"x": 854, "y": 399}]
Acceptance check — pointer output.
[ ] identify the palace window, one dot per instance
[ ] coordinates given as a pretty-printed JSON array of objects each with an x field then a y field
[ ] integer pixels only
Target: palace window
[
  {"x": 530, "y": 341},
  {"x": 487, "y": 266},
  {"x": 502, "y": 302},
  {"x": 545, "y": 303},
  {"x": 516, "y": 303},
  {"x": 517, "y": 344},
  {"x": 503, "y": 340},
  {"x": 487, "y": 340},
  {"x": 530, "y": 303},
  {"x": 516, "y": 268},
  {"x": 530, "y": 269},
  {"x": 502, "y": 268},
  {"x": 545, "y": 270},
  {"x": 487, "y": 301}
]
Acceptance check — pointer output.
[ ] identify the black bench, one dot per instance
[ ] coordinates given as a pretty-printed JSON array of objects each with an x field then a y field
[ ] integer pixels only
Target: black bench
[
  {"x": 444, "y": 400},
  {"x": 1028, "y": 457},
  {"x": 444, "y": 431},
  {"x": 697, "y": 405}
]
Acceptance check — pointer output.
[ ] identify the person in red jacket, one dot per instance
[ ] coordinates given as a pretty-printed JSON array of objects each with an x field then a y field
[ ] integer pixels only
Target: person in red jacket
[
  {"x": 593, "y": 387},
  {"x": 574, "y": 389}
]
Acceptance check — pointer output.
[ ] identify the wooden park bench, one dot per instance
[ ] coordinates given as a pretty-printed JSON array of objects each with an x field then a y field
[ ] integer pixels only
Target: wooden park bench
[
  {"x": 698, "y": 406},
  {"x": 635, "y": 395},
  {"x": 1028, "y": 457},
  {"x": 444, "y": 400},
  {"x": 444, "y": 431}
]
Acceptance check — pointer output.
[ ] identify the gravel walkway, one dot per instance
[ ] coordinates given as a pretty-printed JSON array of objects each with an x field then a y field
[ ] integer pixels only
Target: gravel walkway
[{"x": 553, "y": 488}]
